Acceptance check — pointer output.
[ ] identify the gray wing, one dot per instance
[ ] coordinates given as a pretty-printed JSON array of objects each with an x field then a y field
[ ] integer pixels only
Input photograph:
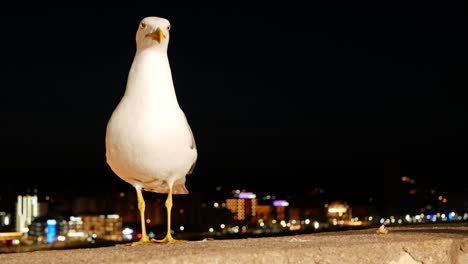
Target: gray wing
[{"x": 193, "y": 145}]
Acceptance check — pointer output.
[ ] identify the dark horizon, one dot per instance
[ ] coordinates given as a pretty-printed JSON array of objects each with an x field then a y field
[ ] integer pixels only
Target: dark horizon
[{"x": 281, "y": 99}]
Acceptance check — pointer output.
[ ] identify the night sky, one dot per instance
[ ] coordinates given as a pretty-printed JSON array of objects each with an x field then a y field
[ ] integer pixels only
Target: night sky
[{"x": 312, "y": 96}]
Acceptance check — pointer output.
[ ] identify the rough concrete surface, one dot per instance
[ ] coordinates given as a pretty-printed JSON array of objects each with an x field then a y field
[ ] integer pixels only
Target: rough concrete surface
[{"x": 408, "y": 245}]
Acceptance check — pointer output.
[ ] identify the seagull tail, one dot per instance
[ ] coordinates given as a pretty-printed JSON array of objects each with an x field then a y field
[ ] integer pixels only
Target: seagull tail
[{"x": 179, "y": 188}]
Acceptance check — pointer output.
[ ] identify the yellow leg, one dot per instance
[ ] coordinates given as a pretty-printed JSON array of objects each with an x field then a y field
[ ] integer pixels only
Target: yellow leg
[
  {"x": 168, "y": 238},
  {"x": 141, "y": 207}
]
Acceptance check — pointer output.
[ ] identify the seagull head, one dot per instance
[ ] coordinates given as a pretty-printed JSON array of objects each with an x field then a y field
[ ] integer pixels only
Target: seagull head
[{"x": 153, "y": 32}]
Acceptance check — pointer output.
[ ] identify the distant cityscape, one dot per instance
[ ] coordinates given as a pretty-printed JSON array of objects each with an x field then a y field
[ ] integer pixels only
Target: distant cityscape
[{"x": 42, "y": 221}]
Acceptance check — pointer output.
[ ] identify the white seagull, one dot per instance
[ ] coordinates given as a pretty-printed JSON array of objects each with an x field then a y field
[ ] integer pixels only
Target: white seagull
[{"x": 149, "y": 143}]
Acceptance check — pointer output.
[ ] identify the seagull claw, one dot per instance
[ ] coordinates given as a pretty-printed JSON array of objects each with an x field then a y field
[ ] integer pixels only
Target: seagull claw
[{"x": 167, "y": 240}]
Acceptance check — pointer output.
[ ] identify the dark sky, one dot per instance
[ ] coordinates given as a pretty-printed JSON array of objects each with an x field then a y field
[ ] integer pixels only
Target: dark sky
[{"x": 310, "y": 95}]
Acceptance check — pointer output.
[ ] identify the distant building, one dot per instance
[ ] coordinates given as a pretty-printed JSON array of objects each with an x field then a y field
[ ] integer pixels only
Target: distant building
[
  {"x": 338, "y": 212},
  {"x": 243, "y": 206},
  {"x": 281, "y": 212},
  {"x": 108, "y": 227},
  {"x": 265, "y": 212},
  {"x": 294, "y": 213},
  {"x": 27, "y": 209},
  {"x": 75, "y": 228},
  {"x": 43, "y": 229}
]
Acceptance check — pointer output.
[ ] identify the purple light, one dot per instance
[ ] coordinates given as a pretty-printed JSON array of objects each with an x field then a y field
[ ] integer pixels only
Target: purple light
[
  {"x": 247, "y": 195},
  {"x": 280, "y": 203}
]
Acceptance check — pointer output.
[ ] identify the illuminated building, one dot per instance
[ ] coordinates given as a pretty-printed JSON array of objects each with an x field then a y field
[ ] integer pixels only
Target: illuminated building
[
  {"x": 265, "y": 212},
  {"x": 107, "y": 227},
  {"x": 75, "y": 228},
  {"x": 338, "y": 212},
  {"x": 27, "y": 208},
  {"x": 47, "y": 229},
  {"x": 243, "y": 206},
  {"x": 280, "y": 211},
  {"x": 51, "y": 231},
  {"x": 294, "y": 213}
]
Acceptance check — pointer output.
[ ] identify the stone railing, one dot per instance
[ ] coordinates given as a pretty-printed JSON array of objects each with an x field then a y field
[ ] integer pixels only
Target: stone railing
[{"x": 401, "y": 245}]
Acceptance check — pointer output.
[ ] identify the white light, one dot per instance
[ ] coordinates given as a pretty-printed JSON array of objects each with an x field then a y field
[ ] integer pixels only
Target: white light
[
  {"x": 211, "y": 230},
  {"x": 283, "y": 223},
  {"x": 382, "y": 220},
  {"x": 75, "y": 234},
  {"x": 262, "y": 224},
  {"x": 113, "y": 216},
  {"x": 337, "y": 210},
  {"x": 400, "y": 221},
  {"x": 61, "y": 238},
  {"x": 216, "y": 205},
  {"x": 6, "y": 220},
  {"x": 75, "y": 218},
  {"x": 307, "y": 221},
  {"x": 51, "y": 222},
  {"x": 316, "y": 224},
  {"x": 222, "y": 226},
  {"x": 370, "y": 218},
  {"x": 247, "y": 195},
  {"x": 127, "y": 231},
  {"x": 279, "y": 203},
  {"x": 94, "y": 235},
  {"x": 235, "y": 229},
  {"x": 24, "y": 229}
]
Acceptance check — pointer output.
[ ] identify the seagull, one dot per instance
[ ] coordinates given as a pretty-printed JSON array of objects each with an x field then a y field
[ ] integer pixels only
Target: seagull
[{"x": 149, "y": 142}]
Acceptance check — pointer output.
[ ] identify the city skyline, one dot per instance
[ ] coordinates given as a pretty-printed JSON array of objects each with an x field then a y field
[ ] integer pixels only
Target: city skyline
[{"x": 280, "y": 100}]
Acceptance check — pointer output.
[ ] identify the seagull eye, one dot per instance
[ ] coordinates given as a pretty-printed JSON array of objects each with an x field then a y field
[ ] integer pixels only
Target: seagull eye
[
  {"x": 142, "y": 25},
  {"x": 168, "y": 27}
]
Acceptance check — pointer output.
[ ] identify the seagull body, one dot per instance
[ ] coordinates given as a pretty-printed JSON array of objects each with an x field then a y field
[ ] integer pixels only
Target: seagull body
[{"x": 149, "y": 143}]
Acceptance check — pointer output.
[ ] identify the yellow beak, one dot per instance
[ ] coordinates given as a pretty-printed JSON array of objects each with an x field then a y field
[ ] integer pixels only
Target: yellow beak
[{"x": 157, "y": 35}]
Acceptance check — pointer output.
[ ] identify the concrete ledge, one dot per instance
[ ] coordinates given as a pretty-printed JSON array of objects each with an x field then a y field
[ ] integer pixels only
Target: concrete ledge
[{"x": 416, "y": 244}]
